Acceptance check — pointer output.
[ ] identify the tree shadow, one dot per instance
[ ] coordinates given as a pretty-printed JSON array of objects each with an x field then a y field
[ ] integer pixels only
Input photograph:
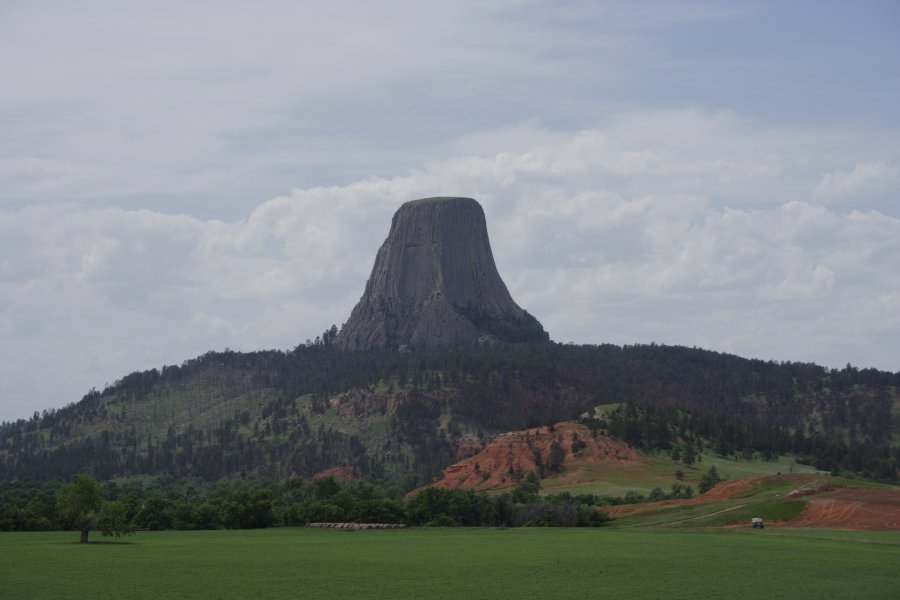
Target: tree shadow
[{"x": 99, "y": 543}]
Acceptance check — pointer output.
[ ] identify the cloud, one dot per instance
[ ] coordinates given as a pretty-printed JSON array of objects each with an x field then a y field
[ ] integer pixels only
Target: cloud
[
  {"x": 22, "y": 176},
  {"x": 640, "y": 178},
  {"x": 612, "y": 234},
  {"x": 865, "y": 177},
  {"x": 195, "y": 103}
]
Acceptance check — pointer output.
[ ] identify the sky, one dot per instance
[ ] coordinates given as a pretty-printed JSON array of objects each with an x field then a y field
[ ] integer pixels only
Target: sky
[{"x": 178, "y": 177}]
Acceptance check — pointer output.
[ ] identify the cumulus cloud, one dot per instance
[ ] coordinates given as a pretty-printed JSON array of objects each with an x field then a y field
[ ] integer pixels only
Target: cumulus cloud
[
  {"x": 611, "y": 234},
  {"x": 864, "y": 177},
  {"x": 623, "y": 204}
]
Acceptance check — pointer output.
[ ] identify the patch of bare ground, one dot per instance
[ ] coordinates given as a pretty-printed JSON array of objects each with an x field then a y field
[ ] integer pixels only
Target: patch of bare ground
[
  {"x": 339, "y": 473},
  {"x": 503, "y": 460},
  {"x": 840, "y": 507}
]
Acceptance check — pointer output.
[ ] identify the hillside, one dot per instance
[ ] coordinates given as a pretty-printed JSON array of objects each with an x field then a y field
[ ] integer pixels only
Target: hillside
[
  {"x": 808, "y": 501},
  {"x": 569, "y": 457},
  {"x": 566, "y": 450},
  {"x": 409, "y": 414},
  {"x": 571, "y": 461}
]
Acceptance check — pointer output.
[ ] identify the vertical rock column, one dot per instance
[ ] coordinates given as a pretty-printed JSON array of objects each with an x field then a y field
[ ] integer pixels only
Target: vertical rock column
[{"x": 434, "y": 283}]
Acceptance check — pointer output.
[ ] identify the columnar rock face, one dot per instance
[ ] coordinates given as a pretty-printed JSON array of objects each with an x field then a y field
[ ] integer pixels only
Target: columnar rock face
[{"x": 435, "y": 284}]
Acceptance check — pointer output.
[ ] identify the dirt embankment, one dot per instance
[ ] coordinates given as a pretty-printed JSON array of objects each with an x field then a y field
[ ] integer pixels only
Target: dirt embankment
[
  {"x": 838, "y": 507},
  {"x": 509, "y": 455}
]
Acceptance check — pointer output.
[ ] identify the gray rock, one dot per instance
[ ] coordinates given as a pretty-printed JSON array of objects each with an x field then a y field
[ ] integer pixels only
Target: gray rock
[{"x": 435, "y": 284}]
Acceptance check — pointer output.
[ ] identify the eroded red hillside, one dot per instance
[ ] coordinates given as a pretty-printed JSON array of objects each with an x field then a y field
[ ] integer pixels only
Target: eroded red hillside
[{"x": 502, "y": 461}]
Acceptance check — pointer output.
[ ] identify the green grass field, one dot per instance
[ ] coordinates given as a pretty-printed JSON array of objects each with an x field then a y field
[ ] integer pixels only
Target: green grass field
[
  {"x": 658, "y": 470},
  {"x": 454, "y": 563}
]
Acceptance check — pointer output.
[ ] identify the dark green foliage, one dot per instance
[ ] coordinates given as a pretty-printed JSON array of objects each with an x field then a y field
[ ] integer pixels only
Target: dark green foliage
[
  {"x": 325, "y": 488},
  {"x": 250, "y": 510},
  {"x": 526, "y": 490},
  {"x": 417, "y": 421},
  {"x": 80, "y": 505},
  {"x": 577, "y": 444},
  {"x": 709, "y": 480},
  {"x": 678, "y": 492},
  {"x": 557, "y": 515},
  {"x": 682, "y": 432},
  {"x": 236, "y": 504},
  {"x": 526, "y": 329},
  {"x": 556, "y": 458},
  {"x": 155, "y": 514},
  {"x": 439, "y": 506},
  {"x": 113, "y": 519},
  {"x": 523, "y": 507},
  {"x": 838, "y": 420}
]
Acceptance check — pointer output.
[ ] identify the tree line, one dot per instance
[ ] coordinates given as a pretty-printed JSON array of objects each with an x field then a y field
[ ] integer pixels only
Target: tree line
[
  {"x": 227, "y": 414},
  {"x": 685, "y": 434},
  {"x": 83, "y": 504}
]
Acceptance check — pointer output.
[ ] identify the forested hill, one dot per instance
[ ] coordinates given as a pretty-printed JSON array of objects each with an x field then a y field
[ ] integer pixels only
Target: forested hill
[{"x": 411, "y": 413}]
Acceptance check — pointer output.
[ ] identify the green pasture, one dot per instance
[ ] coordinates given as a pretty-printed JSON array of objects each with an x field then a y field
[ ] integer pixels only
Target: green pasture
[
  {"x": 711, "y": 514},
  {"x": 659, "y": 471},
  {"x": 454, "y": 563},
  {"x": 766, "y": 500}
]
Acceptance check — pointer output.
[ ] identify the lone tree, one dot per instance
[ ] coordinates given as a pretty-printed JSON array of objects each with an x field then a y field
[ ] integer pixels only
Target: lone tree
[
  {"x": 709, "y": 480},
  {"x": 81, "y": 504}
]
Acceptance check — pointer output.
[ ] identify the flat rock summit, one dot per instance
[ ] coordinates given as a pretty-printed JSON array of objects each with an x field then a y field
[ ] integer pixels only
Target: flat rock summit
[{"x": 435, "y": 284}]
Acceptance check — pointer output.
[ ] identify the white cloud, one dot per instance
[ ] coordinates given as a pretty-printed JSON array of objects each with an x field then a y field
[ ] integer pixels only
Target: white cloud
[
  {"x": 612, "y": 234},
  {"x": 206, "y": 103},
  {"x": 865, "y": 177},
  {"x": 25, "y": 176},
  {"x": 639, "y": 177}
]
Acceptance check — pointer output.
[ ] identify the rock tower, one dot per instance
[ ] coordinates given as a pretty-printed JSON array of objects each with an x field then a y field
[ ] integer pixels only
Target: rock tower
[{"x": 435, "y": 284}]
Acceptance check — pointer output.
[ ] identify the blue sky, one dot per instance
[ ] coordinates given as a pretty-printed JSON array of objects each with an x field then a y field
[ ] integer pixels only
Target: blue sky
[{"x": 177, "y": 178}]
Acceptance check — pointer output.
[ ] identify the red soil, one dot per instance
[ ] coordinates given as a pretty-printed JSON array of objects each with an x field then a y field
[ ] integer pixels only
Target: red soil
[
  {"x": 494, "y": 465},
  {"x": 827, "y": 506},
  {"x": 837, "y": 507},
  {"x": 727, "y": 489},
  {"x": 339, "y": 473}
]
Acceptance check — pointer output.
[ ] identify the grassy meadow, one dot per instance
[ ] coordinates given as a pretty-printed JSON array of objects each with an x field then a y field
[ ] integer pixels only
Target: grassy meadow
[
  {"x": 659, "y": 471},
  {"x": 454, "y": 563}
]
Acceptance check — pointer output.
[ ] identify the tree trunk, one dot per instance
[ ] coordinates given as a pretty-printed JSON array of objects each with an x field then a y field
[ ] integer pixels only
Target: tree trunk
[{"x": 84, "y": 534}]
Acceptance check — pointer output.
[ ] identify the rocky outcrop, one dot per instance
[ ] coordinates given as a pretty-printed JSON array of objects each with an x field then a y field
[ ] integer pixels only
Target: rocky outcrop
[
  {"x": 510, "y": 455},
  {"x": 435, "y": 284}
]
